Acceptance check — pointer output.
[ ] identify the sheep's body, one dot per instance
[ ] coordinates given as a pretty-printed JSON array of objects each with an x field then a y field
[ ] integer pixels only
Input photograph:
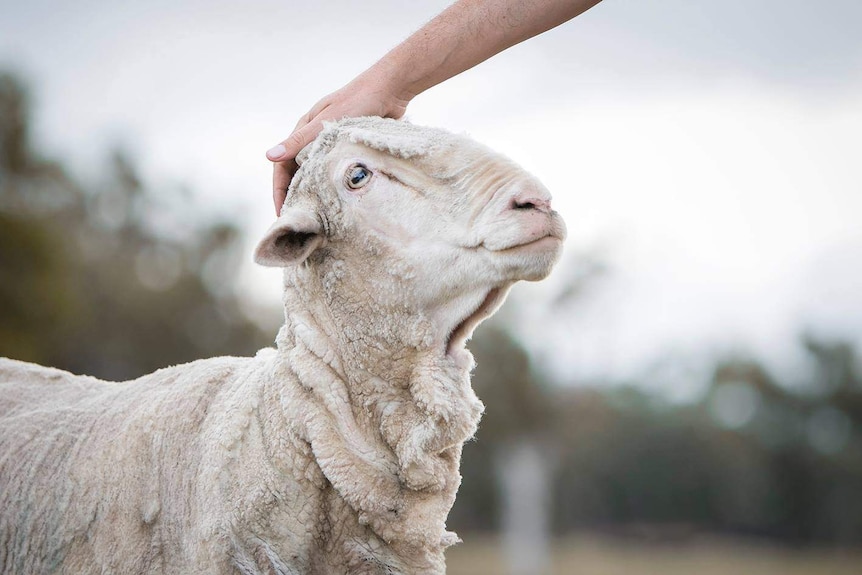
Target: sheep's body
[
  {"x": 336, "y": 453},
  {"x": 198, "y": 467},
  {"x": 85, "y": 460}
]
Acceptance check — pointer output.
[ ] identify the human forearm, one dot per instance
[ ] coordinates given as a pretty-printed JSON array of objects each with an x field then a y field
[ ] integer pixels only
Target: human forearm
[{"x": 466, "y": 34}]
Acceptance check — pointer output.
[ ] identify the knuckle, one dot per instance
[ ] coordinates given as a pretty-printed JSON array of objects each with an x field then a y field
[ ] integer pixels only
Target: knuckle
[{"x": 297, "y": 140}]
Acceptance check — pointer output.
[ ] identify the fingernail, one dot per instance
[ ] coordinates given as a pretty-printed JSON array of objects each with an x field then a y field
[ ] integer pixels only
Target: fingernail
[{"x": 276, "y": 152}]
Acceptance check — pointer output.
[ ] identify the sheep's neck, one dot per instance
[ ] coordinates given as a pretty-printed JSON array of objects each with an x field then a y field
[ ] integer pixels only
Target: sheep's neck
[{"x": 401, "y": 433}]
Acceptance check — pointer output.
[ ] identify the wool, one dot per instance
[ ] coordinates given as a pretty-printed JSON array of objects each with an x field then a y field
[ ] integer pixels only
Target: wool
[{"x": 338, "y": 450}]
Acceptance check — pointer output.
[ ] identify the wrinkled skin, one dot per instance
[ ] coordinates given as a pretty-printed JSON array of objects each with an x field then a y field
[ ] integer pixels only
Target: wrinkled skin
[{"x": 336, "y": 452}]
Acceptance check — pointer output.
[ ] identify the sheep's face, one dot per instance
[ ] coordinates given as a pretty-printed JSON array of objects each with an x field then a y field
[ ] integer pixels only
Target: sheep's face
[{"x": 440, "y": 223}]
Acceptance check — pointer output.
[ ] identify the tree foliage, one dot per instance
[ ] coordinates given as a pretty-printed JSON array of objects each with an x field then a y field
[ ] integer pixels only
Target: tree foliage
[
  {"x": 754, "y": 457},
  {"x": 111, "y": 278}
]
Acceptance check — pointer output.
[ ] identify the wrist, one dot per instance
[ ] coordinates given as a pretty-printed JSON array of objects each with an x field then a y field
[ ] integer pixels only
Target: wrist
[{"x": 386, "y": 85}]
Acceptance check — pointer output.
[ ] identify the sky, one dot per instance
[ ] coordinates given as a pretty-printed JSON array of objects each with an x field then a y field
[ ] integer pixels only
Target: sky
[{"x": 706, "y": 153}]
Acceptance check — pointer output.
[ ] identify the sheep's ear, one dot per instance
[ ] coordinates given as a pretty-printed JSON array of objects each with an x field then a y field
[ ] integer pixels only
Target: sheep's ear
[{"x": 290, "y": 240}]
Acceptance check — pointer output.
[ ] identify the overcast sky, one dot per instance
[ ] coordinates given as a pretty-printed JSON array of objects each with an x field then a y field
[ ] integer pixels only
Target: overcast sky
[{"x": 707, "y": 150}]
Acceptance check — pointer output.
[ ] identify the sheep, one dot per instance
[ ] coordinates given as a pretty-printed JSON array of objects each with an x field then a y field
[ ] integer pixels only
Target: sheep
[{"x": 338, "y": 450}]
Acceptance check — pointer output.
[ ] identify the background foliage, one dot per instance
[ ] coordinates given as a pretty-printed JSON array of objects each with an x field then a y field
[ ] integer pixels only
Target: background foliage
[{"x": 110, "y": 278}]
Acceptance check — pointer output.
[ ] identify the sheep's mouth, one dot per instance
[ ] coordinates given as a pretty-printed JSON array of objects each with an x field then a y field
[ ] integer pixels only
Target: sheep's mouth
[
  {"x": 544, "y": 242},
  {"x": 464, "y": 329}
]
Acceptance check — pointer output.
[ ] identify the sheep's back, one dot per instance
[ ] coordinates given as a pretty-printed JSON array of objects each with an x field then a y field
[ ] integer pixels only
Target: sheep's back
[
  {"x": 26, "y": 387},
  {"x": 82, "y": 460}
]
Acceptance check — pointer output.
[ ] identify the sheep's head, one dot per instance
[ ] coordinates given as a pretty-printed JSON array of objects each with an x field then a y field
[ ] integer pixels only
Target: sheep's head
[{"x": 417, "y": 220}]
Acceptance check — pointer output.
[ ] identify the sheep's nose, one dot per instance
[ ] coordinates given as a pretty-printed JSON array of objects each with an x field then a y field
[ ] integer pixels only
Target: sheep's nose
[{"x": 531, "y": 200}]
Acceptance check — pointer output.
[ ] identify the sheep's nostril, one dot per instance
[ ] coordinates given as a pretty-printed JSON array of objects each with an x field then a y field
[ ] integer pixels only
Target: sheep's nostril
[{"x": 530, "y": 203}]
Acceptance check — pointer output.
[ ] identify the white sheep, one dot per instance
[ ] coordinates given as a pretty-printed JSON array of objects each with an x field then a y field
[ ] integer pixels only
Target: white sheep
[{"x": 338, "y": 451}]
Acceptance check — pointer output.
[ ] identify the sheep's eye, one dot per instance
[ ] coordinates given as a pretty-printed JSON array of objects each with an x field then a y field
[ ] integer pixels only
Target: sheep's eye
[{"x": 357, "y": 176}]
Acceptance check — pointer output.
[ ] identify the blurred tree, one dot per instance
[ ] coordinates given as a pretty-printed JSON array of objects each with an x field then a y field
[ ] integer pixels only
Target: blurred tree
[
  {"x": 754, "y": 457},
  {"x": 835, "y": 364},
  {"x": 33, "y": 292},
  {"x": 515, "y": 406},
  {"x": 32, "y": 295},
  {"x": 517, "y": 402},
  {"x": 97, "y": 279},
  {"x": 14, "y": 137}
]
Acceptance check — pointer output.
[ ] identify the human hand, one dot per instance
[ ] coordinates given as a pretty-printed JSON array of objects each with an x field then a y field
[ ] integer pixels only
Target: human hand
[{"x": 370, "y": 94}]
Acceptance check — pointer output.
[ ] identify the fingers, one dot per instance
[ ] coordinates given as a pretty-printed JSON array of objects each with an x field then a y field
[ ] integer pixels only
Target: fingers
[
  {"x": 284, "y": 156},
  {"x": 298, "y": 140},
  {"x": 276, "y": 153},
  {"x": 304, "y": 132},
  {"x": 301, "y": 137},
  {"x": 315, "y": 111},
  {"x": 282, "y": 173}
]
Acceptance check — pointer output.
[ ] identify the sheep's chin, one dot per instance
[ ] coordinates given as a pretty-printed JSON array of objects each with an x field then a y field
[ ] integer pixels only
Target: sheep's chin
[{"x": 462, "y": 332}]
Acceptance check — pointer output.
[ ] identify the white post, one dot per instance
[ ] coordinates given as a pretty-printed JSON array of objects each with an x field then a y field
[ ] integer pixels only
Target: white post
[{"x": 523, "y": 472}]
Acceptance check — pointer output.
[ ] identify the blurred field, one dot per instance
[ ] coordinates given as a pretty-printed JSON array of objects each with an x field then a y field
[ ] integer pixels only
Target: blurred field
[{"x": 592, "y": 555}]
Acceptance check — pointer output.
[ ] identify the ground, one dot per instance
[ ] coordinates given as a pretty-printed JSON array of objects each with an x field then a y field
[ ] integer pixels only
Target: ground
[{"x": 592, "y": 555}]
